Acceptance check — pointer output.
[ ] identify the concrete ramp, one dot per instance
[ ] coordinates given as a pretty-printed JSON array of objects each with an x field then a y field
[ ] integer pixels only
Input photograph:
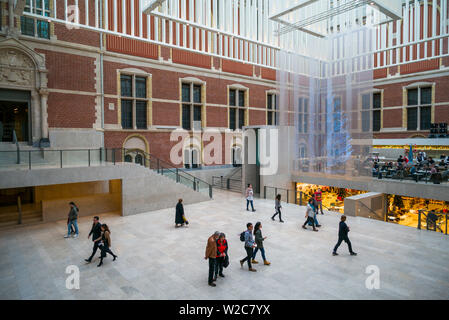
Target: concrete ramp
[{"x": 126, "y": 189}]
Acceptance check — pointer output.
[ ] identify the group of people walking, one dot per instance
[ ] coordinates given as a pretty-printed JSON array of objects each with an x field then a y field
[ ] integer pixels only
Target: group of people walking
[
  {"x": 253, "y": 245},
  {"x": 101, "y": 235}
]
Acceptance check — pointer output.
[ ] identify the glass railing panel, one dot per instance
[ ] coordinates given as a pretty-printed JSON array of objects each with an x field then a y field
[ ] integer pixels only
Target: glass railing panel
[{"x": 75, "y": 158}]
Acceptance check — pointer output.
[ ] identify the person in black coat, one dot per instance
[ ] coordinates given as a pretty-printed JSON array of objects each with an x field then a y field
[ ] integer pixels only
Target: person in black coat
[
  {"x": 343, "y": 230},
  {"x": 180, "y": 219},
  {"x": 96, "y": 234}
]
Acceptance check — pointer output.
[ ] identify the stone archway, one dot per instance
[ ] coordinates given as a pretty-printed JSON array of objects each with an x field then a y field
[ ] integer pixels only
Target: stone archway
[
  {"x": 23, "y": 70},
  {"x": 136, "y": 149}
]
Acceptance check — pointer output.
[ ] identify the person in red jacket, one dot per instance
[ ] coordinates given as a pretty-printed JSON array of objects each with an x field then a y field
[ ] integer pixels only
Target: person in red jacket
[
  {"x": 222, "y": 252},
  {"x": 319, "y": 200}
]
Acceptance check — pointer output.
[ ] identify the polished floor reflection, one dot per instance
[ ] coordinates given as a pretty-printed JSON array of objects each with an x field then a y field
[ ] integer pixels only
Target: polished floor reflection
[{"x": 157, "y": 261}]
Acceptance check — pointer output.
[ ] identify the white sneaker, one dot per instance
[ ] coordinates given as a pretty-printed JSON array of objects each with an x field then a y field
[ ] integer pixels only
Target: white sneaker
[
  {"x": 66, "y": 236},
  {"x": 75, "y": 236}
]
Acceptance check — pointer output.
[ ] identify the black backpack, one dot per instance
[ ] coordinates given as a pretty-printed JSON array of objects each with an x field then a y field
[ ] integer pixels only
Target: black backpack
[{"x": 242, "y": 236}]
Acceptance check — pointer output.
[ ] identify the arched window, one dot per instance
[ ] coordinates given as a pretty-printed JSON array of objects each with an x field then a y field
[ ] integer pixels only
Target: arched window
[
  {"x": 139, "y": 159},
  {"x": 237, "y": 156},
  {"x": 128, "y": 158},
  {"x": 191, "y": 158}
]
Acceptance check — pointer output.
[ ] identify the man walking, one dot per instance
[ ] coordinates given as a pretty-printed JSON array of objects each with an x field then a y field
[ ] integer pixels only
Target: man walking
[
  {"x": 211, "y": 254},
  {"x": 72, "y": 220},
  {"x": 96, "y": 236},
  {"x": 249, "y": 246},
  {"x": 319, "y": 200},
  {"x": 343, "y": 230}
]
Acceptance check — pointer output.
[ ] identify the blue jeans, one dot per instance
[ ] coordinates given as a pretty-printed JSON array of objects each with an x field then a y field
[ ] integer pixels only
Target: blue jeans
[
  {"x": 75, "y": 224},
  {"x": 247, "y": 204},
  {"x": 262, "y": 250},
  {"x": 316, "y": 221}
]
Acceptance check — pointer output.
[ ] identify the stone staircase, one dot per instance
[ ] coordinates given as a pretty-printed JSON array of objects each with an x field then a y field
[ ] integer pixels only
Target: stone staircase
[
  {"x": 232, "y": 181},
  {"x": 9, "y": 216}
]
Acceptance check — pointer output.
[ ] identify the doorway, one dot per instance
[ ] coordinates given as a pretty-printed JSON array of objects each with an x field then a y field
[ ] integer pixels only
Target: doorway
[{"x": 14, "y": 117}]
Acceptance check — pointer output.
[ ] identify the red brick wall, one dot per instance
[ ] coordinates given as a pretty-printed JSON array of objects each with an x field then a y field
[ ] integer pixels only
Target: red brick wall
[
  {"x": 70, "y": 72},
  {"x": 70, "y": 110},
  {"x": 217, "y": 117}
]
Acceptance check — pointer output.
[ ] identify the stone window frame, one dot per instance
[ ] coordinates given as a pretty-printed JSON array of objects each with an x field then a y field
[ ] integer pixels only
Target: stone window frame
[
  {"x": 135, "y": 73},
  {"x": 371, "y": 109},
  {"x": 405, "y": 106},
  {"x": 245, "y": 107},
  {"x": 192, "y": 82},
  {"x": 274, "y": 111},
  {"x": 49, "y": 13}
]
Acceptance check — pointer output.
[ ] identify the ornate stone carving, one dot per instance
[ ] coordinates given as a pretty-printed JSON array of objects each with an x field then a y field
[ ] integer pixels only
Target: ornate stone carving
[{"x": 15, "y": 68}]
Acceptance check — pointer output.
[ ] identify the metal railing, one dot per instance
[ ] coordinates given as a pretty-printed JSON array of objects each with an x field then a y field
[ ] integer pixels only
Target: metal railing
[
  {"x": 167, "y": 169},
  {"x": 227, "y": 183},
  {"x": 425, "y": 176},
  {"x": 287, "y": 195},
  {"x": 47, "y": 159}
]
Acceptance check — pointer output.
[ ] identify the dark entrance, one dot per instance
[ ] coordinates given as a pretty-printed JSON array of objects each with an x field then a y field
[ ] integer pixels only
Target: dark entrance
[{"x": 14, "y": 116}]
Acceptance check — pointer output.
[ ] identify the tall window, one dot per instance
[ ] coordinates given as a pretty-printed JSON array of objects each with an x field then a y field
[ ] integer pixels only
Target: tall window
[
  {"x": 419, "y": 101},
  {"x": 303, "y": 115},
  {"x": 272, "y": 110},
  {"x": 237, "y": 109},
  {"x": 32, "y": 26},
  {"x": 134, "y": 101},
  {"x": 191, "y": 106},
  {"x": 371, "y": 104}
]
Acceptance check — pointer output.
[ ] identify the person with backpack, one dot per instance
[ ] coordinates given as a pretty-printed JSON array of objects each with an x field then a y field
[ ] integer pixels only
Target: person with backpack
[
  {"x": 180, "y": 218},
  {"x": 222, "y": 252},
  {"x": 343, "y": 230},
  {"x": 247, "y": 237},
  {"x": 310, "y": 215},
  {"x": 72, "y": 220},
  {"x": 259, "y": 242},
  {"x": 105, "y": 243},
  {"x": 277, "y": 207},
  {"x": 250, "y": 197},
  {"x": 211, "y": 254}
]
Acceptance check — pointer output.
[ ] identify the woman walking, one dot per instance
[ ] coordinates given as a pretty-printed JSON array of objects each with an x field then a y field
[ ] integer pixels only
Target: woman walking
[
  {"x": 72, "y": 220},
  {"x": 277, "y": 207},
  {"x": 310, "y": 215},
  {"x": 180, "y": 219},
  {"x": 105, "y": 244},
  {"x": 222, "y": 252},
  {"x": 259, "y": 242},
  {"x": 250, "y": 197}
]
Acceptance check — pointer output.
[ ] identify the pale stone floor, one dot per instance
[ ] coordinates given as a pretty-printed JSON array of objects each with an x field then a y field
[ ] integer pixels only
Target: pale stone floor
[{"x": 157, "y": 261}]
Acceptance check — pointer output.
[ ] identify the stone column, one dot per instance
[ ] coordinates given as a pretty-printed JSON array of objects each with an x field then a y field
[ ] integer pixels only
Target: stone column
[
  {"x": 44, "y": 115},
  {"x": 36, "y": 121}
]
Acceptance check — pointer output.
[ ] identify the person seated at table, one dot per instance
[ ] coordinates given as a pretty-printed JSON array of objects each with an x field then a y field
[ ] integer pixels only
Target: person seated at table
[
  {"x": 390, "y": 165},
  {"x": 430, "y": 161},
  {"x": 413, "y": 170},
  {"x": 400, "y": 159},
  {"x": 420, "y": 157},
  {"x": 433, "y": 169}
]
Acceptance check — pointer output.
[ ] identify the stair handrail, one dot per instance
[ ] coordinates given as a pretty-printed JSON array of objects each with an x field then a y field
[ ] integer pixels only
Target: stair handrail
[
  {"x": 16, "y": 142},
  {"x": 171, "y": 168}
]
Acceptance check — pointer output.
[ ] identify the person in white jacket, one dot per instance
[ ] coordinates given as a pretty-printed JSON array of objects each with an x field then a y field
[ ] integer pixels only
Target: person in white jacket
[{"x": 310, "y": 214}]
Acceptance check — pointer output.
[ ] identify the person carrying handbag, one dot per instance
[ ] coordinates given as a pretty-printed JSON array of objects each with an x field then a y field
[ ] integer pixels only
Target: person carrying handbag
[{"x": 222, "y": 253}]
